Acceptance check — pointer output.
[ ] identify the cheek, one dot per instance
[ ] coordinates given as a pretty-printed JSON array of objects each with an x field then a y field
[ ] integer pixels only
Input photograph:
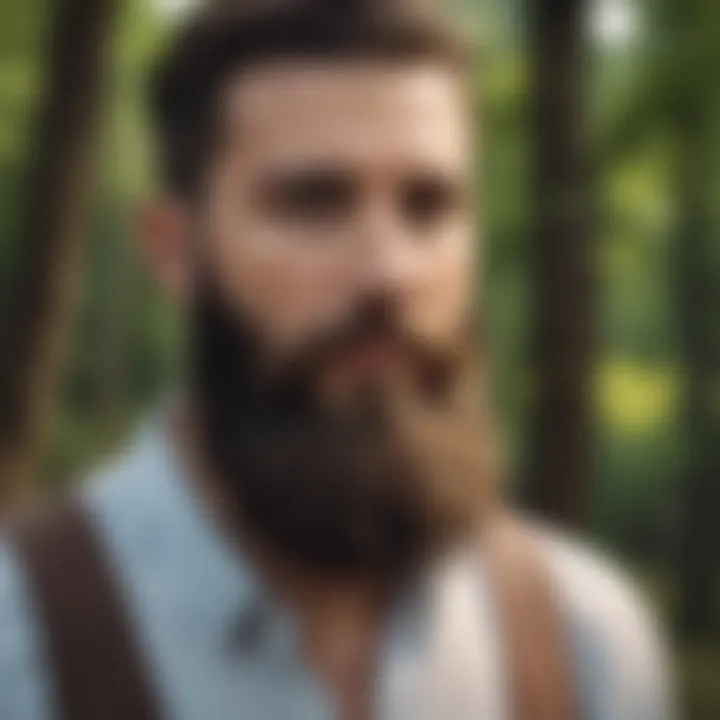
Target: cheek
[
  {"x": 444, "y": 289},
  {"x": 289, "y": 283}
]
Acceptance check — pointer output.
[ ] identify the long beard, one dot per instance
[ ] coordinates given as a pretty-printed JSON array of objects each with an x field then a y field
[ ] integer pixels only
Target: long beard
[{"x": 372, "y": 487}]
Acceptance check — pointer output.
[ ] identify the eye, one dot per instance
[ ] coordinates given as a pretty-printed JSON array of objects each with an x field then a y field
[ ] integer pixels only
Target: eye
[
  {"x": 429, "y": 200},
  {"x": 311, "y": 196}
]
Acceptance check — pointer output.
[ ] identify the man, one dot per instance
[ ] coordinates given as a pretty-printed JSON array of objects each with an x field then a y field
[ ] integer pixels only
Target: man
[{"x": 313, "y": 530}]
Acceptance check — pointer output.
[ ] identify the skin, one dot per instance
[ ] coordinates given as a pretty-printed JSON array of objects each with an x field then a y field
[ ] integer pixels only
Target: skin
[{"x": 312, "y": 203}]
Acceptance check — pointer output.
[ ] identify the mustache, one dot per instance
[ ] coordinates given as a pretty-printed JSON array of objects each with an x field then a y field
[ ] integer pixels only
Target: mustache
[{"x": 374, "y": 319}]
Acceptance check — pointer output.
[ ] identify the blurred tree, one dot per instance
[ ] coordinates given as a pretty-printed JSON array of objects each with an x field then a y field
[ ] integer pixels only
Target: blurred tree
[
  {"x": 562, "y": 287},
  {"x": 46, "y": 265},
  {"x": 693, "y": 35}
]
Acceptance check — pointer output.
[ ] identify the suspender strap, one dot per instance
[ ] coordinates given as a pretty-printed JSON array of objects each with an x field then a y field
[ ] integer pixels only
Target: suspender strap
[
  {"x": 98, "y": 671},
  {"x": 535, "y": 637}
]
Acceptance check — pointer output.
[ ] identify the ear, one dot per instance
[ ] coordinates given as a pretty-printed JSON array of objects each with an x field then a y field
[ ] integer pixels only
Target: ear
[{"x": 163, "y": 232}]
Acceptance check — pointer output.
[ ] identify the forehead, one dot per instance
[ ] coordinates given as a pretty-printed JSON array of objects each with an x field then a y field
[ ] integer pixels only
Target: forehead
[{"x": 352, "y": 111}]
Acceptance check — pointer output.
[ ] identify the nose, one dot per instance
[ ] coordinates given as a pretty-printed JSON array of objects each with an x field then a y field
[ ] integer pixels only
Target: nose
[{"x": 387, "y": 260}]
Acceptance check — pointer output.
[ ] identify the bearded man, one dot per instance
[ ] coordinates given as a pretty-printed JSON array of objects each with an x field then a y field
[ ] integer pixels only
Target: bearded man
[{"x": 315, "y": 531}]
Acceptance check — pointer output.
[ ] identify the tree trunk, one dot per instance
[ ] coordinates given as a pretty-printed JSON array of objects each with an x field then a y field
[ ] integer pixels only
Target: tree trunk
[
  {"x": 562, "y": 287},
  {"x": 696, "y": 264},
  {"x": 699, "y": 306},
  {"x": 40, "y": 299}
]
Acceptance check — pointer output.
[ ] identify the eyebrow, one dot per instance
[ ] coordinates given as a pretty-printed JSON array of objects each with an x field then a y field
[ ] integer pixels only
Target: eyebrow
[
  {"x": 308, "y": 177},
  {"x": 309, "y": 172}
]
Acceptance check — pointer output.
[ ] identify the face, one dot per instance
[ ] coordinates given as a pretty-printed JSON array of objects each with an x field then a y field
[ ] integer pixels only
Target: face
[
  {"x": 335, "y": 182},
  {"x": 339, "y": 198}
]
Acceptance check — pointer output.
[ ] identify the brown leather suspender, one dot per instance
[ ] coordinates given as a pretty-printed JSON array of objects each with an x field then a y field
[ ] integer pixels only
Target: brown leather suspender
[
  {"x": 100, "y": 674},
  {"x": 98, "y": 671},
  {"x": 536, "y": 642}
]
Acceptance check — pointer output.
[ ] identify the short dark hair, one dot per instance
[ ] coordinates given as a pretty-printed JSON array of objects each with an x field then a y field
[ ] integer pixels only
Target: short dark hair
[{"x": 226, "y": 37}]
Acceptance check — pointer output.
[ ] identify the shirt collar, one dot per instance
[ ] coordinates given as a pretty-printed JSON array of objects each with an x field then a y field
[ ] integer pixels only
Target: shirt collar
[{"x": 216, "y": 581}]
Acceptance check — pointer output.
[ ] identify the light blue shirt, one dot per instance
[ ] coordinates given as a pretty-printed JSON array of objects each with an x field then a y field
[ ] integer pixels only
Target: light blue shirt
[{"x": 218, "y": 647}]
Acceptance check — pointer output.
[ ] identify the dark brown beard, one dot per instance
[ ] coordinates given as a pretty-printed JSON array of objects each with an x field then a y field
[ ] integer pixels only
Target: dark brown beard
[{"x": 373, "y": 488}]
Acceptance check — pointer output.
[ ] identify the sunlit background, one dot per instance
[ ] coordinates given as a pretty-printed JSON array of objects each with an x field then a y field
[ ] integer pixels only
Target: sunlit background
[{"x": 650, "y": 123}]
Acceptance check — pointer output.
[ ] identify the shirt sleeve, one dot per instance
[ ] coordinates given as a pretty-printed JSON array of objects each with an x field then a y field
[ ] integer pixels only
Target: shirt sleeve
[{"x": 24, "y": 686}]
